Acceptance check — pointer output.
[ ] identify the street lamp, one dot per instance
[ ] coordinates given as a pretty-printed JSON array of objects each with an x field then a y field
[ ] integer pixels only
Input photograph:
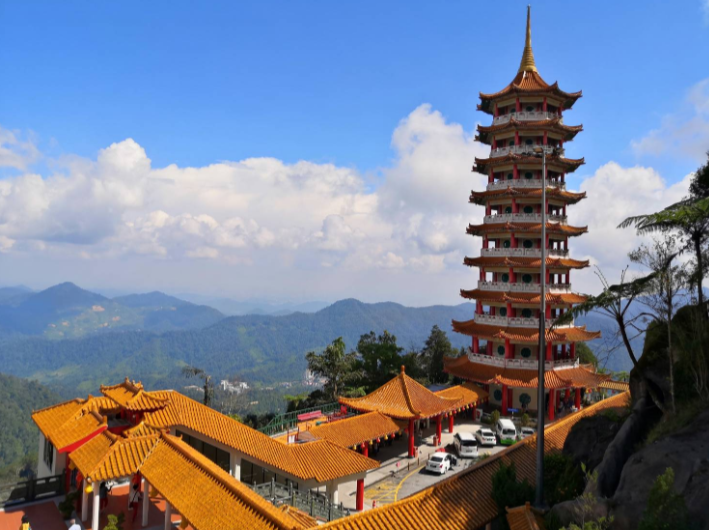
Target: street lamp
[{"x": 541, "y": 152}]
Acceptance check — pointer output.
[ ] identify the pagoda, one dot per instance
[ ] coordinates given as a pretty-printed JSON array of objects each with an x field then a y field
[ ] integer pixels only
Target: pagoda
[{"x": 527, "y": 118}]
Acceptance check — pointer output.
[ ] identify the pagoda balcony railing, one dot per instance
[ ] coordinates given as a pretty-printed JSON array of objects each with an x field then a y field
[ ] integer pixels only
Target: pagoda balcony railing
[
  {"x": 515, "y": 322},
  {"x": 523, "y": 287},
  {"x": 524, "y": 183},
  {"x": 525, "y": 364},
  {"x": 522, "y": 218},
  {"x": 534, "y": 115},
  {"x": 510, "y": 149},
  {"x": 523, "y": 252}
]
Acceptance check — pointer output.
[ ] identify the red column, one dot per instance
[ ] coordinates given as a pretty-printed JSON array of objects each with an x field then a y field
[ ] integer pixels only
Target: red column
[
  {"x": 552, "y": 404},
  {"x": 518, "y": 105},
  {"x": 476, "y": 345},
  {"x": 567, "y": 395},
  {"x": 509, "y": 309},
  {"x": 411, "y": 438},
  {"x": 365, "y": 449},
  {"x": 504, "y": 400},
  {"x": 515, "y": 172},
  {"x": 489, "y": 347},
  {"x": 439, "y": 428},
  {"x": 546, "y": 139},
  {"x": 490, "y": 177},
  {"x": 497, "y": 111},
  {"x": 516, "y": 137},
  {"x": 549, "y": 351},
  {"x": 485, "y": 242},
  {"x": 573, "y": 350},
  {"x": 508, "y": 349},
  {"x": 544, "y": 105},
  {"x": 450, "y": 423},
  {"x": 577, "y": 403},
  {"x": 475, "y": 408},
  {"x": 360, "y": 495}
]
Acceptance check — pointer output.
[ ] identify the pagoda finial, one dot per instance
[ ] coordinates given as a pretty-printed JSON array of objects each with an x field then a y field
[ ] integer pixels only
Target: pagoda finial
[
  {"x": 403, "y": 369},
  {"x": 527, "y": 64}
]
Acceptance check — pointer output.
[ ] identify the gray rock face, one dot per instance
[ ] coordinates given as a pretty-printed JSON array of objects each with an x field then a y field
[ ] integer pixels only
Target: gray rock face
[
  {"x": 687, "y": 453},
  {"x": 589, "y": 438}
]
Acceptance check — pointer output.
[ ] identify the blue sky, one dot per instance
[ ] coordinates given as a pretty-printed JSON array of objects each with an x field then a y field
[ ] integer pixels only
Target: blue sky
[{"x": 194, "y": 84}]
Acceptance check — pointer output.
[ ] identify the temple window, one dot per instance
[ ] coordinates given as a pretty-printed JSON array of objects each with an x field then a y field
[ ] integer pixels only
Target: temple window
[
  {"x": 526, "y": 313},
  {"x": 48, "y": 454}
]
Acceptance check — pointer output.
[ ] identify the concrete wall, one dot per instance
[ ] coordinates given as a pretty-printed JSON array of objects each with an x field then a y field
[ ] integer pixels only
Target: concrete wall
[{"x": 516, "y": 393}]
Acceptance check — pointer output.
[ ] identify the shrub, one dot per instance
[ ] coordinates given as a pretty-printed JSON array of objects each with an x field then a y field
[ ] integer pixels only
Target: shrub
[
  {"x": 563, "y": 479},
  {"x": 115, "y": 522},
  {"x": 525, "y": 420},
  {"x": 508, "y": 491},
  {"x": 495, "y": 416},
  {"x": 66, "y": 507},
  {"x": 665, "y": 508}
]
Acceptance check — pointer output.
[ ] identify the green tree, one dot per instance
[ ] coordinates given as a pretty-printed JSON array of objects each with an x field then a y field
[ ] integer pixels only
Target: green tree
[
  {"x": 380, "y": 359},
  {"x": 666, "y": 509},
  {"x": 335, "y": 365},
  {"x": 585, "y": 507},
  {"x": 585, "y": 354},
  {"x": 563, "y": 479},
  {"x": 436, "y": 348},
  {"x": 115, "y": 522},
  {"x": 508, "y": 491},
  {"x": 193, "y": 371}
]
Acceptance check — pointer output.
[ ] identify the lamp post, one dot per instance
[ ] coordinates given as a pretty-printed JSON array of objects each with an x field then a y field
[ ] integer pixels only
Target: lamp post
[{"x": 541, "y": 152}]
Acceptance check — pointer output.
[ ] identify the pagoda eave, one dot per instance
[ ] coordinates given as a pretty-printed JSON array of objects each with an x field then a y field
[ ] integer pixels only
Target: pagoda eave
[
  {"x": 480, "y": 197},
  {"x": 532, "y": 299},
  {"x": 565, "y": 165},
  {"x": 520, "y": 335},
  {"x": 552, "y": 263},
  {"x": 526, "y": 228}
]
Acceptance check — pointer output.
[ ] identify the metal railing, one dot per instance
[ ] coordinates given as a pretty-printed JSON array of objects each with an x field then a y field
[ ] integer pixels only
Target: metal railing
[
  {"x": 314, "y": 504},
  {"x": 515, "y": 322},
  {"x": 31, "y": 490},
  {"x": 527, "y": 364},
  {"x": 525, "y": 116},
  {"x": 524, "y": 183},
  {"x": 522, "y": 218},
  {"x": 522, "y": 287},
  {"x": 289, "y": 420},
  {"x": 522, "y": 252}
]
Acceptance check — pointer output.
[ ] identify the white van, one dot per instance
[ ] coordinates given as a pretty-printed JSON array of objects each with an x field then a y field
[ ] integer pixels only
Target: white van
[
  {"x": 465, "y": 445},
  {"x": 506, "y": 431}
]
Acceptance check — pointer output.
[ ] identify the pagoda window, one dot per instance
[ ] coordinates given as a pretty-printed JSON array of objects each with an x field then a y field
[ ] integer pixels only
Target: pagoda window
[
  {"x": 526, "y": 313},
  {"x": 48, "y": 455},
  {"x": 510, "y": 176},
  {"x": 511, "y": 143},
  {"x": 505, "y": 277},
  {"x": 529, "y": 141},
  {"x": 529, "y": 108},
  {"x": 527, "y": 243},
  {"x": 503, "y": 312},
  {"x": 528, "y": 209},
  {"x": 529, "y": 175},
  {"x": 526, "y": 278},
  {"x": 508, "y": 209},
  {"x": 500, "y": 351},
  {"x": 506, "y": 243},
  {"x": 526, "y": 352}
]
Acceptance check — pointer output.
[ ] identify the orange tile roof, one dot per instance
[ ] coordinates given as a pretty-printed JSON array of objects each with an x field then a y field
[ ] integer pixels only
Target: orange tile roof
[
  {"x": 358, "y": 429},
  {"x": 524, "y": 335},
  {"x": 402, "y": 398},
  {"x": 68, "y": 423},
  {"x": 464, "y": 501},
  {"x": 320, "y": 460},
  {"x": 525, "y": 518},
  {"x": 481, "y": 197},
  {"x": 522, "y": 298},
  {"x": 132, "y": 396},
  {"x": 554, "y": 162},
  {"x": 618, "y": 386},
  {"x": 299, "y": 516},
  {"x": 108, "y": 456},
  {"x": 207, "y": 496},
  {"x": 469, "y": 394},
  {"x": 568, "y": 132},
  {"x": 581, "y": 376},
  {"x": 526, "y": 263},
  {"x": 526, "y": 228},
  {"x": 528, "y": 84}
]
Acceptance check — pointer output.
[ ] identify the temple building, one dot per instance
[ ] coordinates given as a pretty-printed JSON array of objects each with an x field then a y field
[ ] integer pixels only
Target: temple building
[{"x": 527, "y": 117}]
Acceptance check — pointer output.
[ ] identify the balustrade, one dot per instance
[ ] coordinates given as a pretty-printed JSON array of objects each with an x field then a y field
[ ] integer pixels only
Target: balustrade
[
  {"x": 525, "y": 116},
  {"x": 527, "y": 364},
  {"x": 524, "y": 183},
  {"x": 523, "y": 252},
  {"x": 522, "y": 218}
]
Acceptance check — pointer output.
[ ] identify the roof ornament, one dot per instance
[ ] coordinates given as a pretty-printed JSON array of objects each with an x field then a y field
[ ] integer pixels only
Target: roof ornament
[
  {"x": 527, "y": 63},
  {"x": 403, "y": 369}
]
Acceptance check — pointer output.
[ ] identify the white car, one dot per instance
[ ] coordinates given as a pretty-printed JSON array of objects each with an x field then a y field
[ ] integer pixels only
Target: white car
[
  {"x": 465, "y": 445},
  {"x": 506, "y": 431},
  {"x": 524, "y": 432},
  {"x": 486, "y": 437},
  {"x": 440, "y": 463}
]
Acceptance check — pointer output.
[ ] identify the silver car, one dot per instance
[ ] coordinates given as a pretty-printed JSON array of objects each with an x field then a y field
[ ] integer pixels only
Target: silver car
[{"x": 485, "y": 436}]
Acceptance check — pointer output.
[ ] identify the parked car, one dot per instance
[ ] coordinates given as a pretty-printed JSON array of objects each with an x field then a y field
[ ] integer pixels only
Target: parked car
[
  {"x": 485, "y": 436},
  {"x": 440, "y": 462},
  {"x": 506, "y": 431},
  {"x": 466, "y": 446},
  {"x": 524, "y": 432}
]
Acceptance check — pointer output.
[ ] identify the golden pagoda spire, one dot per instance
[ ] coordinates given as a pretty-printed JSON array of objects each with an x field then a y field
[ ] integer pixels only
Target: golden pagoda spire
[{"x": 527, "y": 64}]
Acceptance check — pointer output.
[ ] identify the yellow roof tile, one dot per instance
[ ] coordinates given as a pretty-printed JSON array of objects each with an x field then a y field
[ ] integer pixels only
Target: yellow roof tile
[
  {"x": 71, "y": 422},
  {"x": 402, "y": 398},
  {"x": 132, "y": 396},
  {"x": 525, "y": 518},
  {"x": 358, "y": 429},
  {"x": 468, "y": 393}
]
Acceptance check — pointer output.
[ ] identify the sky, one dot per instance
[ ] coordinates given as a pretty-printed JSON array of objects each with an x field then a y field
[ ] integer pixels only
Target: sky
[{"x": 295, "y": 151}]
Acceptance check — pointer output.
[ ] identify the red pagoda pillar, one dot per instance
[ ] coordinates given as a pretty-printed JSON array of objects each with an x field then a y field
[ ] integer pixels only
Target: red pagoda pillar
[
  {"x": 567, "y": 395},
  {"x": 552, "y": 404},
  {"x": 360, "y": 495},
  {"x": 439, "y": 428},
  {"x": 411, "y": 438},
  {"x": 365, "y": 449},
  {"x": 577, "y": 403},
  {"x": 450, "y": 423},
  {"x": 504, "y": 400}
]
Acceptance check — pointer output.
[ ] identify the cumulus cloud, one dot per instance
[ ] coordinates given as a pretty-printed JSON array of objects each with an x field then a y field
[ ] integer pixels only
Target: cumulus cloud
[
  {"x": 684, "y": 133},
  {"x": 15, "y": 152}
]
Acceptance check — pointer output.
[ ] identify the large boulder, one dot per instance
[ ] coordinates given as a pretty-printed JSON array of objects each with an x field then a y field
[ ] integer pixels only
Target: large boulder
[
  {"x": 590, "y": 437},
  {"x": 687, "y": 453}
]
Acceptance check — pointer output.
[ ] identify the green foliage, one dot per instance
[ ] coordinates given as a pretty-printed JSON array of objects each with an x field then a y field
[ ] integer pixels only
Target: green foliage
[
  {"x": 524, "y": 420},
  {"x": 381, "y": 358},
  {"x": 335, "y": 365},
  {"x": 494, "y": 417},
  {"x": 437, "y": 347},
  {"x": 686, "y": 413},
  {"x": 115, "y": 522},
  {"x": 585, "y": 354},
  {"x": 66, "y": 507},
  {"x": 19, "y": 434},
  {"x": 584, "y": 508},
  {"x": 563, "y": 479},
  {"x": 666, "y": 509},
  {"x": 508, "y": 491}
]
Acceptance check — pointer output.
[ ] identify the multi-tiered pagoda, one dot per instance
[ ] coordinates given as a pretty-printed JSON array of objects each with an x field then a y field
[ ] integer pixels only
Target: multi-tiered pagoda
[{"x": 527, "y": 117}]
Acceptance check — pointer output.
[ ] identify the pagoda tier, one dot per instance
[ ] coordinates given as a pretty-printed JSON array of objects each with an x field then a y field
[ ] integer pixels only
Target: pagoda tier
[
  {"x": 506, "y": 325},
  {"x": 506, "y": 130},
  {"x": 554, "y": 162}
]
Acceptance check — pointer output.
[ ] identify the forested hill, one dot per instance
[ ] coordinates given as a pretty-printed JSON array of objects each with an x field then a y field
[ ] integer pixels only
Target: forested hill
[
  {"x": 256, "y": 347},
  {"x": 19, "y": 435}
]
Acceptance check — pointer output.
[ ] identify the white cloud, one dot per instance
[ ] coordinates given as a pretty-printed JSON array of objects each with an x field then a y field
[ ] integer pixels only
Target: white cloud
[
  {"x": 15, "y": 152},
  {"x": 684, "y": 133}
]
